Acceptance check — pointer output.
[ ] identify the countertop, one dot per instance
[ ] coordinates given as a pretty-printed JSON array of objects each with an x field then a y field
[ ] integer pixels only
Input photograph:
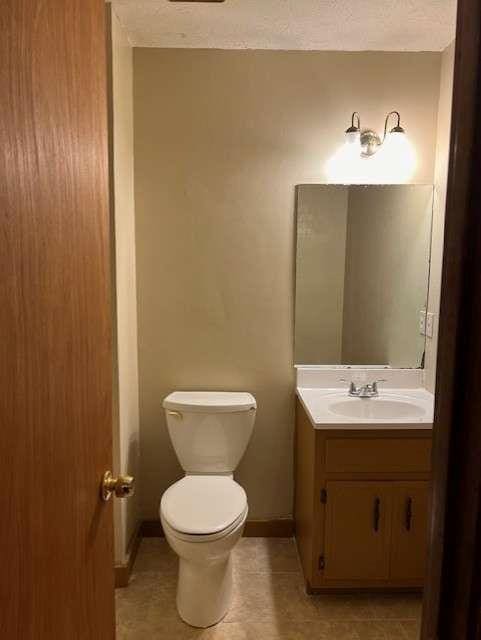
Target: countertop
[{"x": 316, "y": 404}]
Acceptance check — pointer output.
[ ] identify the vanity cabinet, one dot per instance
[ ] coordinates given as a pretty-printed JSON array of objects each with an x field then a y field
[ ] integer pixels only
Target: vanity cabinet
[{"x": 361, "y": 504}]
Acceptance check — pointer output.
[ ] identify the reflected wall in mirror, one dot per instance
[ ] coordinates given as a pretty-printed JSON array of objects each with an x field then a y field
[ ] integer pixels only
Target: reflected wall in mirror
[{"x": 362, "y": 271}]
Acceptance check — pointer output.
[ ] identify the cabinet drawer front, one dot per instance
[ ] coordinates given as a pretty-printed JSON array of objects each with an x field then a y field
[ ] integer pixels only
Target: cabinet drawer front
[{"x": 398, "y": 455}]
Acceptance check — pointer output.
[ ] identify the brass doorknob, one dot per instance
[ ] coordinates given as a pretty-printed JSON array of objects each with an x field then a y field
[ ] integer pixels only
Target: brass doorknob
[{"x": 122, "y": 486}]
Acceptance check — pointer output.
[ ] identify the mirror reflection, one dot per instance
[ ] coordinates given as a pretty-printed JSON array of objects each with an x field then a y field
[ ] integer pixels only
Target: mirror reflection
[{"x": 362, "y": 269}]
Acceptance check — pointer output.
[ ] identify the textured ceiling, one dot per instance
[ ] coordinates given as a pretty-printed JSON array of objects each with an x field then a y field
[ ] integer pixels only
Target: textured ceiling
[{"x": 346, "y": 25}]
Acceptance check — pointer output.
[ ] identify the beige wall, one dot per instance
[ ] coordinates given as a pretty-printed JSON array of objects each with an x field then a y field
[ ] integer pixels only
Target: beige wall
[
  {"x": 221, "y": 140},
  {"x": 126, "y": 427},
  {"x": 320, "y": 269},
  {"x": 387, "y": 269},
  {"x": 440, "y": 186}
]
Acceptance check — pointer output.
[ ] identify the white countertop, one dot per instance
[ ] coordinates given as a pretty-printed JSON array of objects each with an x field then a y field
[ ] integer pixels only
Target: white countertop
[{"x": 317, "y": 402}]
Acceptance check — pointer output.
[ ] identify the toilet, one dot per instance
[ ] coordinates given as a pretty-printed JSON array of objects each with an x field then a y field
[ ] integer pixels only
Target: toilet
[{"x": 203, "y": 514}]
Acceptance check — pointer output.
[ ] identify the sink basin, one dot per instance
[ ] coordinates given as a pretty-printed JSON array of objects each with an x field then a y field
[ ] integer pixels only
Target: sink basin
[
  {"x": 396, "y": 408},
  {"x": 376, "y": 408}
]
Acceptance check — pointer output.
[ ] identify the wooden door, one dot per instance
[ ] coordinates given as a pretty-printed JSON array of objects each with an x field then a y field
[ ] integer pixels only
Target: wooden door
[
  {"x": 409, "y": 530},
  {"x": 56, "y": 578},
  {"x": 358, "y": 530}
]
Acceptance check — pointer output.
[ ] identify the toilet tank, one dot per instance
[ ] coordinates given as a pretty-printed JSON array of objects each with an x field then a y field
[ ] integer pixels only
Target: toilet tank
[{"x": 210, "y": 430}]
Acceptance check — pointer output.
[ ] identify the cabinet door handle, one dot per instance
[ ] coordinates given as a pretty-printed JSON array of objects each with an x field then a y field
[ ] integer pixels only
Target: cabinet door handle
[
  {"x": 376, "y": 514},
  {"x": 409, "y": 514}
]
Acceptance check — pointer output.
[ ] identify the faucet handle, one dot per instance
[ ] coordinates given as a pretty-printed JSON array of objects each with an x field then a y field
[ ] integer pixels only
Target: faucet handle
[
  {"x": 375, "y": 383},
  {"x": 353, "y": 390}
]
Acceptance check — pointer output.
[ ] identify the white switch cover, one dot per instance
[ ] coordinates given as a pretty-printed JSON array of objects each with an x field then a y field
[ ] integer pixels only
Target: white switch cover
[
  {"x": 429, "y": 324},
  {"x": 422, "y": 322}
]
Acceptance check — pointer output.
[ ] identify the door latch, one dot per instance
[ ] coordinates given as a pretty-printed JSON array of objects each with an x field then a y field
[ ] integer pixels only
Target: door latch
[{"x": 122, "y": 486}]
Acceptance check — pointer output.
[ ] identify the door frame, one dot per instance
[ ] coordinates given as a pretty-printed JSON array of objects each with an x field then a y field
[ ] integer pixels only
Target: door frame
[{"x": 452, "y": 599}]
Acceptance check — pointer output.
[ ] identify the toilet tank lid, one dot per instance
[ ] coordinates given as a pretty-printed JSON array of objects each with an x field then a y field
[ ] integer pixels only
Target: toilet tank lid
[{"x": 209, "y": 401}]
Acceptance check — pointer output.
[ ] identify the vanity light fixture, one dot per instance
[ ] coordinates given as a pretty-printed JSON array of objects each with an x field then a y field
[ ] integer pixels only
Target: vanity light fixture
[{"x": 368, "y": 140}]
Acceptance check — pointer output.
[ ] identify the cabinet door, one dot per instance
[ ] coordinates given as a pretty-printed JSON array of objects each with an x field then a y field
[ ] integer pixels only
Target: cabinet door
[
  {"x": 358, "y": 530},
  {"x": 409, "y": 530}
]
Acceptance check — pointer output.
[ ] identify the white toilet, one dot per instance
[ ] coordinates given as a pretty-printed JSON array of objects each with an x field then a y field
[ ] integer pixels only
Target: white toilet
[{"x": 203, "y": 515}]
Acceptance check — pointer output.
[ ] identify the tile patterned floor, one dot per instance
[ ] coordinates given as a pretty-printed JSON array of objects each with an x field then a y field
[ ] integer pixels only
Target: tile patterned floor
[{"x": 269, "y": 602}]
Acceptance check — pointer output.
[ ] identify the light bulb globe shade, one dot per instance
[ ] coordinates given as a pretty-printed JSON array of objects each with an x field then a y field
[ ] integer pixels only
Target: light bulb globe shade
[
  {"x": 353, "y": 136},
  {"x": 398, "y": 156},
  {"x": 397, "y": 130}
]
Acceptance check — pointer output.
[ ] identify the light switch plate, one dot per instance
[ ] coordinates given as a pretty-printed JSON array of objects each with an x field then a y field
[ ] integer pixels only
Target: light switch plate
[
  {"x": 429, "y": 324},
  {"x": 422, "y": 322}
]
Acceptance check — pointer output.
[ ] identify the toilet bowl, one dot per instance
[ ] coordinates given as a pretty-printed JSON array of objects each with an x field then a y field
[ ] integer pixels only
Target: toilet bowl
[
  {"x": 203, "y": 514},
  {"x": 203, "y": 517}
]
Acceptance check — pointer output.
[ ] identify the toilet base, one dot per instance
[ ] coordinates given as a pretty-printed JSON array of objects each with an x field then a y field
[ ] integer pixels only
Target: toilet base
[{"x": 204, "y": 591}]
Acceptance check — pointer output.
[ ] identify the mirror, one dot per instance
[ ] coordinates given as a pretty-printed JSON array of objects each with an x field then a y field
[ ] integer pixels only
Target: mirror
[{"x": 362, "y": 268}]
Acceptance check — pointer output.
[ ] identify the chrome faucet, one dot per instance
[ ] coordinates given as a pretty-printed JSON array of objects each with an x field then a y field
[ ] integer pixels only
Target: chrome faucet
[{"x": 369, "y": 390}]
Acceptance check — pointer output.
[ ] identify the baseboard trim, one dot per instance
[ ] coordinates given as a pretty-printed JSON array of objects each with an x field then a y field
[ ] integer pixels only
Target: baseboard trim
[
  {"x": 280, "y": 528},
  {"x": 151, "y": 529},
  {"x": 276, "y": 528},
  {"x": 123, "y": 571}
]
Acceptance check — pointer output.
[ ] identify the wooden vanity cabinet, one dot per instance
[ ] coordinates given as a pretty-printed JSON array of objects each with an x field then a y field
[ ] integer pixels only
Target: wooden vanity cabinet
[{"x": 361, "y": 502}]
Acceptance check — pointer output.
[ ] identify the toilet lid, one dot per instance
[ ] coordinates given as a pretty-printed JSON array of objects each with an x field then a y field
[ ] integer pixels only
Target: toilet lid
[
  {"x": 209, "y": 401},
  {"x": 203, "y": 504}
]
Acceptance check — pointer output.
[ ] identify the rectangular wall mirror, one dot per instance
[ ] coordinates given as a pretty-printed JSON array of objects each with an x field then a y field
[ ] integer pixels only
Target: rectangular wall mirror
[{"x": 362, "y": 270}]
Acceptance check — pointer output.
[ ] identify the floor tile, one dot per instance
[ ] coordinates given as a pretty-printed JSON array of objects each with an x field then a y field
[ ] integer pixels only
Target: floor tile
[
  {"x": 350, "y": 607},
  {"x": 269, "y": 601},
  {"x": 282, "y": 630},
  {"x": 261, "y": 597},
  {"x": 411, "y": 629},
  {"x": 379, "y": 630},
  {"x": 399, "y": 606},
  {"x": 156, "y": 555},
  {"x": 266, "y": 555}
]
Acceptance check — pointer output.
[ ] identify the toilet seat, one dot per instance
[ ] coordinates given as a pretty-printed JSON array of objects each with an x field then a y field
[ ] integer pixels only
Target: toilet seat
[
  {"x": 206, "y": 507},
  {"x": 207, "y": 537}
]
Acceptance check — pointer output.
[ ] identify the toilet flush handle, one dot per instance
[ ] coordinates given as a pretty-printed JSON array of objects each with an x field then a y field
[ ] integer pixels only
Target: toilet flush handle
[{"x": 176, "y": 414}]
